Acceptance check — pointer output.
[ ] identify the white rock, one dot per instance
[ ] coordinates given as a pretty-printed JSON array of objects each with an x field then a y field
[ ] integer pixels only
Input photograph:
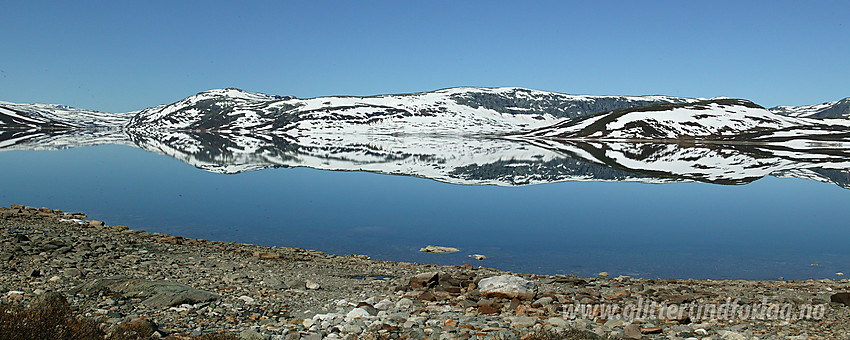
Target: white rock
[
  {"x": 384, "y": 304},
  {"x": 730, "y": 335},
  {"x": 558, "y": 322},
  {"x": 508, "y": 286},
  {"x": 404, "y": 304},
  {"x": 356, "y": 313},
  {"x": 247, "y": 299},
  {"x": 312, "y": 285},
  {"x": 522, "y": 321},
  {"x": 439, "y": 249}
]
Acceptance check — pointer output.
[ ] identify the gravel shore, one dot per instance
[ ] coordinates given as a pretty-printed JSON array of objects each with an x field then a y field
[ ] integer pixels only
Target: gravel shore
[{"x": 190, "y": 287}]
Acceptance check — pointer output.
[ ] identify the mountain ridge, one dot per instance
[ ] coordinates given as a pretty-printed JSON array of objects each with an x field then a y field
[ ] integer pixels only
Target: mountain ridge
[{"x": 469, "y": 111}]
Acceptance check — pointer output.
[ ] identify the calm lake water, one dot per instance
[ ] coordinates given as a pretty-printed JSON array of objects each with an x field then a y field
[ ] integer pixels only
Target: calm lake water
[{"x": 762, "y": 230}]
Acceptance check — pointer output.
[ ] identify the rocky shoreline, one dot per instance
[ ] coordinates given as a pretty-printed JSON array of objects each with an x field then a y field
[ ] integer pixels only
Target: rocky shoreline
[{"x": 189, "y": 287}]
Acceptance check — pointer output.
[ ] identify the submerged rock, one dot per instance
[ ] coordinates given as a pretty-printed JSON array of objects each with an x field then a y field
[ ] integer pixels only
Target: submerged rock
[{"x": 439, "y": 250}]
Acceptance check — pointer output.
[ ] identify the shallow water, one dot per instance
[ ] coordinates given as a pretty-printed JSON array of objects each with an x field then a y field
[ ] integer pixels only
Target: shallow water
[{"x": 770, "y": 228}]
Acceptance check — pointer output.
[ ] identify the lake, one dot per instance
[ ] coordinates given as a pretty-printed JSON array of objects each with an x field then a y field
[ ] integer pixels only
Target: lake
[{"x": 538, "y": 209}]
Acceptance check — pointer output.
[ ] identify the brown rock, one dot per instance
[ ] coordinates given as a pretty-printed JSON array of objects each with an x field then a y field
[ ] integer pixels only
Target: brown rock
[
  {"x": 632, "y": 331},
  {"x": 842, "y": 298},
  {"x": 266, "y": 255},
  {"x": 651, "y": 330},
  {"x": 424, "y": 280},
  {"x": 487, "y": 307}
]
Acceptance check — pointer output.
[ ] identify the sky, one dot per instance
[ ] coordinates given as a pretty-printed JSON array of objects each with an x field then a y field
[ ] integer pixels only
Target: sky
[{"x": 119, "y": 56}]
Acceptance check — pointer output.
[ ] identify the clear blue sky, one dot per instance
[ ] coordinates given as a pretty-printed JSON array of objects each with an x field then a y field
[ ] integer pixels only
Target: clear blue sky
[{"x": 122, "y": 55}]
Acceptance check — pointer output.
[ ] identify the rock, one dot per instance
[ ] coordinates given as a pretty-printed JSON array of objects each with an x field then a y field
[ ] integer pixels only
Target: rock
[
  {"x": 522, "y": 321},
  {"x": 94, "y": 223},
  {"x": 384, "y": 304},
  {"x": 603, "y": 274},
  {"x": 247, "y": 299},
  {"x": 157, "y": 294},
  {"x": 632, "y": 331},
  {"x": 266, "y": 255},
  {"x": 651, "y": 330},
  {"x": 487, "y": 307},
  {"x": 507, "y": 286},
  {"x": 478, "y": 257},
  {"x": 542, "y": 302},
  {"x": 404, "y": 304},
  {"x": 296, "y": 284},
  {"x": 730, "y": 335},
  {"x": 274, "y": 283},
  {"x": 72, "y": 272},
  {"x": 250, "y": 334},
  {"x": 424, "y": 280},
  {"x": 558, "y": 322},
  {"x": 842, "y": 298},
  {"x": 311, "y": 285},
  {"x": 356, "y": 313},
  {"x": 439, "y": 250},
  {"x": 368, "y": 308}
]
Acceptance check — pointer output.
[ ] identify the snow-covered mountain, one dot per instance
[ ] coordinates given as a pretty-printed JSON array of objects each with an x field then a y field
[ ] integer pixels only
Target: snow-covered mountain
[
  {"x": 11, "y": 118},
  {"x": 454, "y": 111},
  {"x": 717, "y": 119},
  {"x": 836, "y": 109},
  {"x": 498, "y": 136},
  {"x": 70, "y": 116}
]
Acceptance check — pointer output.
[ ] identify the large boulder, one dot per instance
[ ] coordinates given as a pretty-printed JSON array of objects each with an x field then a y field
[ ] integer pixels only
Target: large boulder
[
  {"x": 507, "y": 286},
  {"x": 156, "y": 294}
]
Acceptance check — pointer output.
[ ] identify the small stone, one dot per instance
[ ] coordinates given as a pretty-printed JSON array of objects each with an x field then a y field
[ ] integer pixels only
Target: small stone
[
  {"x": 368, "y": 308},
  {"x": 730, "y": 335},
  {"x": 266, "y": 255},
  {"x": 522, "y": 321},
  {"x": 250, "y": 334},
  {"x": 247, "y": 299},
  {"x": 603, "y": 274},
  {"x": 486, "y": 307},
  {"x": 558, "y": 322},
  {"x": 311, "y": 285},
  {"x": 478, "y": 257},
  {"x": 404, "y": 304},
  {"x": 384, "y": 304},
  {"x": 651, "y": 330},
  {"x": 632, "y": 331},
  {"x": 274, "y": 283},
  {"x": 542, "y": 302},
  {"x": 95, "y": 223}
]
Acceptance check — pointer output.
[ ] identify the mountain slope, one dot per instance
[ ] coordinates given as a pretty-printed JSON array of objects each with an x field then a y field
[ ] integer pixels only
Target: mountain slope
[
  {"x": 836, "y": 109},
  {"x": 71, "y": 116},
  {"x": 463, "y": 111},
  {"x": 718, "y": 119},
  {"x": 14, "y": 119}
]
